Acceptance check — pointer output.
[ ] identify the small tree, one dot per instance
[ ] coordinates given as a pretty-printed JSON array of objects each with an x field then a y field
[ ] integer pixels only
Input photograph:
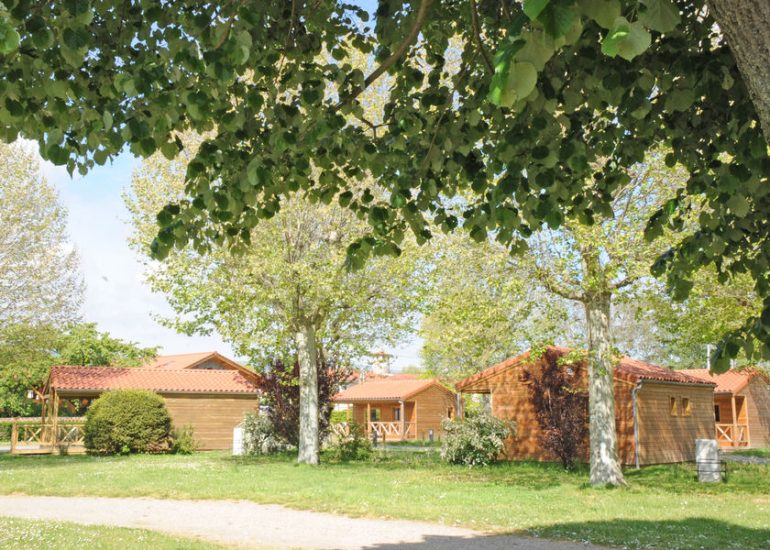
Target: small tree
[
  {"x": 280, "y": 385},
  {"x": 561, "y": 406}
]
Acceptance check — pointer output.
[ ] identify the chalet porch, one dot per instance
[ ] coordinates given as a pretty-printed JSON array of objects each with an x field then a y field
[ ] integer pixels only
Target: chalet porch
[
  {"x": 731, "y": 416},
  {"x": 36, "y": 436}
]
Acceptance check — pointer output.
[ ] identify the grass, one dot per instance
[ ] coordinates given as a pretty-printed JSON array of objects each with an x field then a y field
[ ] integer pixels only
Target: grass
[
  {"x": 22, "y": 534},
  {"x": 663, "y": 507}
]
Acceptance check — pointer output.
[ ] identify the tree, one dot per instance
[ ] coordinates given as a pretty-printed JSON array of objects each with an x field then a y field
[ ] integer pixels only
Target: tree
[
  {"x": 28, "y": 351},
  {"x": 287, "y": 296},
  {"x": 591, "y": 265},
  {"x": 39, "y": 269},
  {"x": 565, "y": 116},
  {"x": 482, "y": 311}
]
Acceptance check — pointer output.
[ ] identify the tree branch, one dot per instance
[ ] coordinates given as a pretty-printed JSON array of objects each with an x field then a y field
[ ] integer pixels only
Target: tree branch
[
  {"x": 625, "y": 281},
  {"x": 477, "y": 36},
  {"x": 422, "y": 15}
]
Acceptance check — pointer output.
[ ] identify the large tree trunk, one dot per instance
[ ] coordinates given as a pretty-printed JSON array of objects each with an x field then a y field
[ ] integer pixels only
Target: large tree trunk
[
  {"x": 746, "y": 24},
  {"x": 308, "y": 395},
  {"x": 605, "y": 467}
]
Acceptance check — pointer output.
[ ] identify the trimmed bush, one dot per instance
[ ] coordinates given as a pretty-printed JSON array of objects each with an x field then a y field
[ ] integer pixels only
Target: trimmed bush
[
  {"x": 183, "y": 441},
  {"x": 127, "y": 421},
  {"x": 260, "y": 437},
  {"x": 475, "y": 441}
]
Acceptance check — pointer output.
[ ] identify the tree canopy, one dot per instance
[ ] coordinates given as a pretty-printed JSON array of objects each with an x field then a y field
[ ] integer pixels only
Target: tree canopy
[{"x": 537, "y": 108}]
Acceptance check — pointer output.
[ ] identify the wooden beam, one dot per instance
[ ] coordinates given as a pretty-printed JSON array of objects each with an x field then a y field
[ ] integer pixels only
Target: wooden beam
[
  {"x": 401, "y": 415},
  {"x": 735, "y": 421},
  {"x": 368, "y": 417},
  {"x": 14, "y": 435}
]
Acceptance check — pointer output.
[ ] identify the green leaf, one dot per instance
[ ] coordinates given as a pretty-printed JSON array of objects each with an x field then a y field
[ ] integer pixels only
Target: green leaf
[
  {"x": 627, "y": 40},
  {"x": 557, "y": 19},
  {"x": 9, "y": 38},
  {"x": 604, "y": 12},
  {"x": 533, "y": 8},
  {"x": 738, "y": 205},
  {"x": 499, "y": 93},
  {"x": 660, "y": 15}
]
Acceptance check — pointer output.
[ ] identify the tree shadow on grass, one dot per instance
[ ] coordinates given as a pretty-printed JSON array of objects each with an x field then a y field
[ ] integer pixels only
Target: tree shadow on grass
[{"x": 484, "y": 542}]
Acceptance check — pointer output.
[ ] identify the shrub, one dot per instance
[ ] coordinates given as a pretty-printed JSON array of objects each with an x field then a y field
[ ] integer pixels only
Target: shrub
[
  {"x": 474, "y": 441},
  {"x": 127, "y": 421},
  {"x": 183, "y": 441},
  {"x": 351, "y": 444},
  {"x": 561, "y": 407},
  {"x": 260, "y": 437},
  {"x": 280, "y": 386}
]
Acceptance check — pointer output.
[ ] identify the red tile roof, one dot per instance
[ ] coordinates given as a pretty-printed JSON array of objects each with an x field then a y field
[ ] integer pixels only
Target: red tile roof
[
  {"x": 386, "y": 390},
  {"x": 629, "y": 369},
  {"x": 732, "y": 381},
  {"x": 158, "y": 380}
]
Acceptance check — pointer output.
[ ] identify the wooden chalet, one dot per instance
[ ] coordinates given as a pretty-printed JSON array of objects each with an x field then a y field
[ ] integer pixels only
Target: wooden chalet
[
  {"x": 741, "y": 407},
  {"x": 206, "y": 391},
  {"x": 659, "y": 412},
  {"x": 399, "y": 408}
]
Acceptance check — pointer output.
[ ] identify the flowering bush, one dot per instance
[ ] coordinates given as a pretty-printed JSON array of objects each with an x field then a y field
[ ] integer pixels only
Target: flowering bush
[
  {"x": 475, "y": 441},
  {"x": 260, "y": 437},
  {"x": 351, "y": 444}
]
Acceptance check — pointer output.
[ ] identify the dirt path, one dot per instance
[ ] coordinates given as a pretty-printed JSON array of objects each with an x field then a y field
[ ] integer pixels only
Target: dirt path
[{"x": 253, "y": 525}]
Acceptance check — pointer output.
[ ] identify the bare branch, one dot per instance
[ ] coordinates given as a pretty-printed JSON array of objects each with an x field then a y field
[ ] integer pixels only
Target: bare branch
[
  {"x": 477, "y": 36},
  {"x": 422, "y": 15}
]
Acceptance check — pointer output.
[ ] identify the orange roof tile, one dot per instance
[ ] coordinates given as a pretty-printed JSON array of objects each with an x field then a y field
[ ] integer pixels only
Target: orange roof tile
[
  {"x": 731, "y": 381},
  {"x": 385, "y": 390},
  {"x": 627, "y": 369},
  {"x": 67, "y": 377}
]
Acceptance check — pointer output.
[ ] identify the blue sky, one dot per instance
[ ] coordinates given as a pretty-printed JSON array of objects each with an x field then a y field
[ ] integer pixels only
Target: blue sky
[{"x": 116, "y": 297}]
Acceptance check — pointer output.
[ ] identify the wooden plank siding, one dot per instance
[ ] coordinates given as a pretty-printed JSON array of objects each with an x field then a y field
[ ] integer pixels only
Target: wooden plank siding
[
  {"x": 664, "y": 437},
  {"x": 757, "y": 394},
  {"x": 212, "y": 417},
  {"x": 431, "y": 407}
]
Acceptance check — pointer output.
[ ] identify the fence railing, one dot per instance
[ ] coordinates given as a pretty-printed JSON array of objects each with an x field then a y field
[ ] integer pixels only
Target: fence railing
[
  {"x": 732, "y": 435},
  {"x": 38, "y": 436},
  {"x": 391, "y": 430}
]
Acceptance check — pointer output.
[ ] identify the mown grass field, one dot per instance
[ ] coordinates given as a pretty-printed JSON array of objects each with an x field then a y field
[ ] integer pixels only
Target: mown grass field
[
  {"x": 663, "y": 506},
  {"x": 23, "y": 534}
]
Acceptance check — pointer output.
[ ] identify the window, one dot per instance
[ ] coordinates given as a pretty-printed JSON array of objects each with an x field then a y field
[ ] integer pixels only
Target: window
[
  {"x": 686, "y": 407},
  {"x": 449, "y": 413},
  {"x": 672, "y": 406},
  {"x": 716, "y": 414},
  {"x": 397, "y": 413},
  {"x": 374, "y": 415}
]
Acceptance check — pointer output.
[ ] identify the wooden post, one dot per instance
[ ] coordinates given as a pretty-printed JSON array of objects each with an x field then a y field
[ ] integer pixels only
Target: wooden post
[
  {"x": 368, "y": 418},
  {"x": 14, "y": 435},
  {"x": 401, "y": 414},
  {"x": 735, "y": 421},
  {"x": 55, "y": 422}
]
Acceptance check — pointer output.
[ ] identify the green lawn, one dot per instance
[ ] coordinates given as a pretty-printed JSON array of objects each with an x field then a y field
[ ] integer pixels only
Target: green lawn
[
  {"x": 663, "y": 507},
  {"x": 22, "y": 534}
]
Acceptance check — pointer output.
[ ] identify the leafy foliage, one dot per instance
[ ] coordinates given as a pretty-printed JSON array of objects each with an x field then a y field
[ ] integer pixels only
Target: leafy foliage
[
  {"x": 280, "y": 387},
  {"x": 127, "y": 421},
  {"x": 561, "y": 407},
  {"x": 276, "y": 86},
  {"x": 476, "y": 440},
  {"x": 260, "y": 436},
  {"x": 183, "y": 440},
  {"x": 40, "y": 282},
  {"x": 27, "y": 351}
]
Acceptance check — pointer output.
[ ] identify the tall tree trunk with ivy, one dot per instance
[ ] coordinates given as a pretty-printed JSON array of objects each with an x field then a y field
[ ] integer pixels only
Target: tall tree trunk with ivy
[
  {"x": 605, "y": 466},
  {"x": 305, "y": 340}
]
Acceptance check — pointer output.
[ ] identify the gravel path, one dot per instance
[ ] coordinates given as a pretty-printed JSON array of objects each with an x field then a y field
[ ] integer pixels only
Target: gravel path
[
  {"x": 745, "y": 459},
  {"x": 251, "y": 525}
]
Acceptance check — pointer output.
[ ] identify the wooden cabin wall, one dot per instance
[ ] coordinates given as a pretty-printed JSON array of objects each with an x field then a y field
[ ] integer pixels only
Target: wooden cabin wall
[
  {"x": 212, "y": 417},
  {"x": 431, "y": 407},
  {"x": 758, "y": 398},
  {"x": 666, "y": 438}
]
